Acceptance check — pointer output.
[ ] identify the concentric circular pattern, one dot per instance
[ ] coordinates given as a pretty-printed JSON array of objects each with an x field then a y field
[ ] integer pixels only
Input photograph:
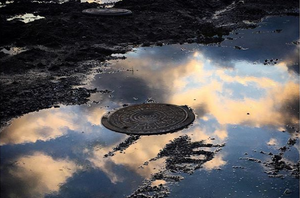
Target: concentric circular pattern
[
  {"x": 147, "y": 119},
  {"x": 107, "y": 11}
]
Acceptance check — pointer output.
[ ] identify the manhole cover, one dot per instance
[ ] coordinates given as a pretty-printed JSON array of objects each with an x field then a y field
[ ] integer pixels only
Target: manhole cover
[
  {"x": 107, "y": 11},
  {"x": 147, "y": 119}
]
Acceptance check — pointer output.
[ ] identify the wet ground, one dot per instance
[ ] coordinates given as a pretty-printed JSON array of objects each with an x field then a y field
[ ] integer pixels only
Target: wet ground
[
  {"x": 57, "y": 38},
  {"x": 244, "y": 141}
]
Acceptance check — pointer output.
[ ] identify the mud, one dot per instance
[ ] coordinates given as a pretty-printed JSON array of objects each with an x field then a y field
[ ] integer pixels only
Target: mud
[{"x": 44, "y": 76}]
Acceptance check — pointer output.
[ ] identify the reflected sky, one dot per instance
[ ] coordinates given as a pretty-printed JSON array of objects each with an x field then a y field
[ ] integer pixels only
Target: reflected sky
[{"x": 244, "y": 91}]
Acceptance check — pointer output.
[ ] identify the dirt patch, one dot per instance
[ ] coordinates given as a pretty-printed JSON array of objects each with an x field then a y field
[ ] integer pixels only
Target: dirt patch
[
  {"x": 181, "y": 155},
  {"x": 59, "y": 43},
  {"x": 123, "y": 145}
]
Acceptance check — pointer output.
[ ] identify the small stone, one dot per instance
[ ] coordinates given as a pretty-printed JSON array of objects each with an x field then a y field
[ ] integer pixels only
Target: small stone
[
  {"x": 287, "y": 191},
  {"x": 276, "y": 158},
  {"x": 291, "y": 141},
  {"x": 238, "y": 47}
]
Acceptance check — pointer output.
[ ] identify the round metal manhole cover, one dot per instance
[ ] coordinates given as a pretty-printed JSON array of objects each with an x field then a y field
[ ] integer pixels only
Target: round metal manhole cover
[
  {"x": 148, "y": 119},
  {"x": 107, "y": 11}
]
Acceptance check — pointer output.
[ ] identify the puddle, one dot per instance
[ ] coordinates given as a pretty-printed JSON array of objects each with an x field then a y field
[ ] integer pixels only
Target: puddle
[
  {"x": 26, "y": 18},
  {"x": 246, "y": 126}
]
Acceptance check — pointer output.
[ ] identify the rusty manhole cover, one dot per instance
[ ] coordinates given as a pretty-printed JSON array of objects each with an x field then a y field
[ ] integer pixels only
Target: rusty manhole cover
[
  {"x": 107, "y": 11},
  {"x": 148, "y": 119}
]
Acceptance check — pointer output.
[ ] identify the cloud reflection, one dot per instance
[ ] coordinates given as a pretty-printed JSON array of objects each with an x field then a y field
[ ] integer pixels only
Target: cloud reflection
[
  {"x": 136, "y": 157},
  {"x": 249, "y": 94},
  {"x": 216, "y": 94},
  {"x": 146, "y": 148},
  {"x": 36, "y": 175},
  {"x": 212, "y": 90},
  {"x": 216, "y": 163},
  {"x": 50, "y": 124},
  {"x": 272, "y": 142},
  {"x": 43, "y": 125}
]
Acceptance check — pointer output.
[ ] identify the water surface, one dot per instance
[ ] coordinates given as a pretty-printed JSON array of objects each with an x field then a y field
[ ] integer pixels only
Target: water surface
[{"x": 245, "y": 93}]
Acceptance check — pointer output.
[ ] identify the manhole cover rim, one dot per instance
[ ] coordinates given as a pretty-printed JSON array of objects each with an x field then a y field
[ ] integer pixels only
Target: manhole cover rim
[{"x": 189, "y": 118}]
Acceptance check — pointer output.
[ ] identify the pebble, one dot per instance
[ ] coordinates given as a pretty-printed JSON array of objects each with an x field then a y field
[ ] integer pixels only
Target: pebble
[{"x": 287, "y": 191}]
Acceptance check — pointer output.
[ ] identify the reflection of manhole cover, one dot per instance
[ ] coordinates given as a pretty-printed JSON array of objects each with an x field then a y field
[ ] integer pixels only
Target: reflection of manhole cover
[
  {"x": 107, "y": 11},
  {"x": 147, "y": 119}
]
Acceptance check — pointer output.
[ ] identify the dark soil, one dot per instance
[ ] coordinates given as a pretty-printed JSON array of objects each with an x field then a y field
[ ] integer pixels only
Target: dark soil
[{"x": 46, "y": 73}]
